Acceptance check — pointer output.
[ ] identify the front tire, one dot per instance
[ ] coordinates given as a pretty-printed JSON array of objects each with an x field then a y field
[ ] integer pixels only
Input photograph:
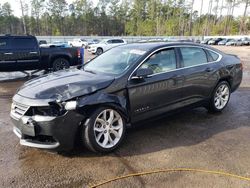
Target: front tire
[
  {"x": 104, "y": 130},
  {"x": 99, "y": 51},
  {"x": 220, "y": 97}
]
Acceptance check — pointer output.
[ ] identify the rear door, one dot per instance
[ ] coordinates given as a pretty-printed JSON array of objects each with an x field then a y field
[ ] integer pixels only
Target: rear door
[
  {"x": 200, "y": 73},
  {"x": 7, "y": 58},
  {"x": 27, "y": 52},
  {"x": 159, "y": 92},
  {"x": 117, "y": 42}
]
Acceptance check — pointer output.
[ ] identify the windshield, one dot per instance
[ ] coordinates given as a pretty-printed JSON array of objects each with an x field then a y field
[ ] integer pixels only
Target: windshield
[
  {"x": 103, "y": 41},
  {"x": 115, "y": 61}
]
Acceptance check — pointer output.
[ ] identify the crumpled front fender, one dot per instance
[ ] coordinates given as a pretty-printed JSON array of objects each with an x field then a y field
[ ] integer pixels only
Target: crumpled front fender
[{"x": 98, "y": 98}]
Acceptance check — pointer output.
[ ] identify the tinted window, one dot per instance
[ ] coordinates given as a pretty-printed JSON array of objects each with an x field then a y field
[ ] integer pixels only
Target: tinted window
[
  {"x": 193, "y": 56},
  {"x": 4, "y": 43},
  {"x": 24, "y": 43},
  {"x": 117, "y": 41},
  {"x": 161, "y": 61},
  {"x": 213, "y": 55},
  {"x": 110, "y": 42}
]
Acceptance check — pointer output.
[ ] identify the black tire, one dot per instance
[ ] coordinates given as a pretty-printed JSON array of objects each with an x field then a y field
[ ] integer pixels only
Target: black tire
[
  {"x": 89, "y": 134},
  {"x": 60, "y": 63},
  {"x": 212, "y": 103},
  {"x": 99, "y": 51}
]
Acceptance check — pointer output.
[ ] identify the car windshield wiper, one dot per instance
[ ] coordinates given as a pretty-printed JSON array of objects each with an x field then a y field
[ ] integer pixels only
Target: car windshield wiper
[{"x": 89, "y": 71}]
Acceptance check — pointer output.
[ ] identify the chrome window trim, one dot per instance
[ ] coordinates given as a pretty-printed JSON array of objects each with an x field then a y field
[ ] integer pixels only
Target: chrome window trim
[{"x": 179, "y": 46}]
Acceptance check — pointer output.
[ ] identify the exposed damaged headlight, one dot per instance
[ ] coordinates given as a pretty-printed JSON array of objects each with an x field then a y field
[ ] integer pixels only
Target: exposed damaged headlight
[
  {"x": 70, "y": 105},
  {"x": 52, "y": 110}
]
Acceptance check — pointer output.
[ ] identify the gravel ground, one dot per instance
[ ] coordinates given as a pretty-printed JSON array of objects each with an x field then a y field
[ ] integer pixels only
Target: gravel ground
[{"x": 191, "y": 139}]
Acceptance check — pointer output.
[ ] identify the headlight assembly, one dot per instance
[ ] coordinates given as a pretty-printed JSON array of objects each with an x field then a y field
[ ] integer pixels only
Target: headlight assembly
[{"x": 70, "y": 105}]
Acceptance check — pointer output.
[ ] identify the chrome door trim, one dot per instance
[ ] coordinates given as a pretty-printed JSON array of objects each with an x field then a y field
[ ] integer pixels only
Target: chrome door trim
[{"x": 179, "y": 46}]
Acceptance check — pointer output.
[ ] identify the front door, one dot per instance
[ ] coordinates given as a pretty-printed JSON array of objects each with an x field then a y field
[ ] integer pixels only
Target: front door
[
  {"x": 159, "y": 92},
  {"x": 7, "y": 58},
  {"x": 26, "y": 51}
]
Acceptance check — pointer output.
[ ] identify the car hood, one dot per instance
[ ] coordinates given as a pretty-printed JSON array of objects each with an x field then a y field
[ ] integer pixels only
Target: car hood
[{"x": 64, "y": 85}]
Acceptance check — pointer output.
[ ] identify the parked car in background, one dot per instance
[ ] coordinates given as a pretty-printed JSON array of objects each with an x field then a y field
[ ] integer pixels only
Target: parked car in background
[
  {"x": 78, "y": 42},
  {"x": 234, "y": 42},
  {"x": 41, "y": 42},
  {"x": 245, "y": 41},
  {"x": 105, "y": 45},
  {"x": 92, "y": 41},
  {"x": 224, "y": 41},
  {"x": 125, "y": 85},
  {"x": 58, "y": 44},
  {"x": 206, "y": 41},
  {"x": 19, "y": 53},
  {"x": 215, "y": 41}
]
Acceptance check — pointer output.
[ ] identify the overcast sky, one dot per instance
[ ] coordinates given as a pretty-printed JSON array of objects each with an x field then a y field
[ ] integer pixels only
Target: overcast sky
[{"x": 197, "y": 3}]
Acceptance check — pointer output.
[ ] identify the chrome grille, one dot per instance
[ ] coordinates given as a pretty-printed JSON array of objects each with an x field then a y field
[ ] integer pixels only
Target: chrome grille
[{"x": 18, "y": 110}]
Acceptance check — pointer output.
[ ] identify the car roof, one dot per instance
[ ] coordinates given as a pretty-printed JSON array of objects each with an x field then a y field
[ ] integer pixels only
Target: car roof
[
  {"x": 152, "y": 45},
  {"x": 17, "y": 36},
  {"x": 157, "y": 45}
]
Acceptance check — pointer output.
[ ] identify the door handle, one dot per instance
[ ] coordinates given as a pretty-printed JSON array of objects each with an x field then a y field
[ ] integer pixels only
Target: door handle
[
  {"x": 209, "y": 69},
  {"x": 33, "y": 52},
  {"x": 8, "y": 53}
]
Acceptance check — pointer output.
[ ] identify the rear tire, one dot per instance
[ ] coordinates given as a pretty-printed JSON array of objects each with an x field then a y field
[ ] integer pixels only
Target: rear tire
[
  {"x": 220, "y": 97},
  {"x": 60, "y": 63},
  {"x": 104, "y": 130}
]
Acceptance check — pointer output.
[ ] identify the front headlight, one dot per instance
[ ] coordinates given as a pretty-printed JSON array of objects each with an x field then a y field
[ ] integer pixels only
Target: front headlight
[{"x": 71, "y": 105}]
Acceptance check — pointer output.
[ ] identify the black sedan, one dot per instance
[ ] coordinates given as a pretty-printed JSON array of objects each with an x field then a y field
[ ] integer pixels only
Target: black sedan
[{"x": 126, "y": 84}]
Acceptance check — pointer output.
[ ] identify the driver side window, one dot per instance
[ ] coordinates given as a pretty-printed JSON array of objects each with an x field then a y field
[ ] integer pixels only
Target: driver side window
[{"x": 161, "y": 61}]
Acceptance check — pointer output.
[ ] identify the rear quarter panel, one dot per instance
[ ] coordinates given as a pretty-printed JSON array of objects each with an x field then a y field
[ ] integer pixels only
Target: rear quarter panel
[{"x": 232, "y": 69}]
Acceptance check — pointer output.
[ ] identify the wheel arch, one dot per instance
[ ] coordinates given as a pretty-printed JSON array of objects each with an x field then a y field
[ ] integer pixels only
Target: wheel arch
[
  {"x": 228, "y": 79},
  {"x": 88, "y": 104},
  {"x": 53, "y": 58}
]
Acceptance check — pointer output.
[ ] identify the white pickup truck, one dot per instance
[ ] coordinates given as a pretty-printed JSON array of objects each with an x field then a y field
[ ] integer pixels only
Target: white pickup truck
[{"x": 77, "y": 42}]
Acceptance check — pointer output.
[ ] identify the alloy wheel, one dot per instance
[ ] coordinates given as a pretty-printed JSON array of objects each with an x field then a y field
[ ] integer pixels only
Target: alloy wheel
[
  {"x": 108, "y": 128},
  {"x": 221, "y": 96}
]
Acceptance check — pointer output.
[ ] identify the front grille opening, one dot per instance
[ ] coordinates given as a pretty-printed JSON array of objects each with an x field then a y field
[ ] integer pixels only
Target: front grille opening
[
  {"x": 51, "y": 110},
  {"x": 41, "y": 138},
  {"x": 18, "y": 110}
]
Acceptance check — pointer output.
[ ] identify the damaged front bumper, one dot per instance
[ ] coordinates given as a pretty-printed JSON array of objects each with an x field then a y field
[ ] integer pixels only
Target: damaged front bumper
[{"x": 47, "y": 132}]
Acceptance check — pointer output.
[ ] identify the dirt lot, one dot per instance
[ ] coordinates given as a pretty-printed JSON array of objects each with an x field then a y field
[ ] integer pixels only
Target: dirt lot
[{"x": 193, "y": 139}]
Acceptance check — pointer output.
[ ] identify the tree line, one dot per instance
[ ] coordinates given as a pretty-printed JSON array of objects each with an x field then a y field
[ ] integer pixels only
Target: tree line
[{"x": 125, "y": 17}]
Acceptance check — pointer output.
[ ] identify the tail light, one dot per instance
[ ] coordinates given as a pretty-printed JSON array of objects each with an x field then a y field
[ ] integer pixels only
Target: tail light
[
  {"x": 78, "y": 53},
  {"x": 241, "y": 65}
]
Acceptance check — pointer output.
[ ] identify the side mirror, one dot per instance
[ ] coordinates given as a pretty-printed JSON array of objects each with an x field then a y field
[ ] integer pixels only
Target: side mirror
[{"x": 142, "y": 73}]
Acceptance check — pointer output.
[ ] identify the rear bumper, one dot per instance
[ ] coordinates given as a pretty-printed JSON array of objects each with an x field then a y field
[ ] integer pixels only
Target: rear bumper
[{"x": 45, "y": 132}]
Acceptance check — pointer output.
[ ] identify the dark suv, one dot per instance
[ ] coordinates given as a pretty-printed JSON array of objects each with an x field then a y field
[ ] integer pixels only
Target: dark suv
[
  {"x": 19, "y": 53},
  {"x": 126, "y": 84}
]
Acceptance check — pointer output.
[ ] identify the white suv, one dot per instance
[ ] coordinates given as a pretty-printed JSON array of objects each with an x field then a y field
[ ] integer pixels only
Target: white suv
[
  {"x": 105, "y": 45},
  {"x": 78, "y": 43}
]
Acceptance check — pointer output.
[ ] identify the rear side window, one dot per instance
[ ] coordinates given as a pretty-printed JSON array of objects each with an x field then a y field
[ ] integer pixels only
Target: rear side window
[
  {"x": 4, "y": 43},
  {"x": 193, "y": 56},
  {"x": 24, "y": 43},
  {"x": 117, "y": 41},
  {"x": 213, "y": 56}
]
